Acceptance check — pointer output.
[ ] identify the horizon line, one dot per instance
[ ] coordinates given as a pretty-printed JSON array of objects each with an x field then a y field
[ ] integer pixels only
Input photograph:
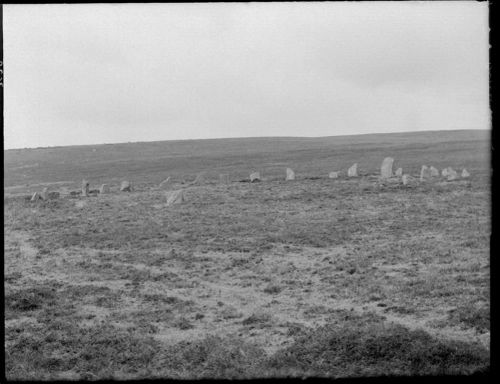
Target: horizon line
[{"x": 249, "y": 137}]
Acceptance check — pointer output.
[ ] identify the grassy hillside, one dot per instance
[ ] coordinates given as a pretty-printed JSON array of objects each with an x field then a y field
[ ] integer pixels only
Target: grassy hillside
[
  {"x": 327, "y": 277},
  {"x": 151, "y": 162}
]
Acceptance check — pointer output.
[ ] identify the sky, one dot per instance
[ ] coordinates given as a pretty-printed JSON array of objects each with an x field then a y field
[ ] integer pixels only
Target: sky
[{"x": 108, "y": 73}]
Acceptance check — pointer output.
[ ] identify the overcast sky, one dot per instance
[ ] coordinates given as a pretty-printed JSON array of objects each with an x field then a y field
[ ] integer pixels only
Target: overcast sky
[{"x": 89, "y": 74}]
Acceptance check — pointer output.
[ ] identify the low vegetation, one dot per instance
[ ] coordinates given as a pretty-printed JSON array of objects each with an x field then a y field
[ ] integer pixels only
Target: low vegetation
[{"x": 310, "y": 277}]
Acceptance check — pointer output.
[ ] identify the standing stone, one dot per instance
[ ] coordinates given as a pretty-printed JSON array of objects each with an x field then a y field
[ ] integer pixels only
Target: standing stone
[
  {"x": 255, "y": 176},
  {"x": 224, "y": 178},
  {"x": 465, "y": 173},
  {"x": 452, "y": 174},
  {"x": 333, "y": 175},
  {"x": 405, "y": 179},
  {"x": 36, "y": 196},
  {"x": 165, "y": 183},
  {"x": 104, "y": 189},
  {"x": 425, "y": 173},
  {"x": 434, "y": 171},
  {"x": 353, "y": 171},
  {"x": 125, "y": 186},
  {"x": 444, "y": 172},
  {"x": 399, "y": 172},
  {"x": 175, "y": 197},
  {"x": 45, "y": 194},
  {"x": 85, "y": 187},
  {"x": 290, "y": 174},
  {"x": 386, "y": 168}
]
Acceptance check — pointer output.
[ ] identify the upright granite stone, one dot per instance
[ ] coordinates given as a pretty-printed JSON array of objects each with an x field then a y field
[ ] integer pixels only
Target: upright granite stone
[
  {"x": 405, "y": 179},
  {"x": 452, "y": 174},
  {"x": 386, "y": 168},
  {"x": 125, "y": 186},
  {"x": 290, "y": 174},
  {"x": 434, "y": 171},
  {"x": 425, "y": 173},
  {"x": 465, "y": 173},
  {"x": 175, "y": 197},
  {"x": 254, "y": 177},
  {"x": 399, "y": 172},
  {"x": 333, "y": 175},
  {"x": 444, "y": 172},
  {"x": 85, "y": 187},
  {"x": 104, "y": 189},
  {"x": 353, "y": 171},
  {"x": 45, "y": 194}
]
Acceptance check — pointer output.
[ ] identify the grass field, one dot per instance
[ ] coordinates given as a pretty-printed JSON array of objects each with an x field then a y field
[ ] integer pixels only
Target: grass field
[{"x": 310, "y": 277}]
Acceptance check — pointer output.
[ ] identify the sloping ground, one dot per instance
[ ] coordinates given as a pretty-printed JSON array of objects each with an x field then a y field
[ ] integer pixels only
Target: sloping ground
[{"x": 310, "y": 277}]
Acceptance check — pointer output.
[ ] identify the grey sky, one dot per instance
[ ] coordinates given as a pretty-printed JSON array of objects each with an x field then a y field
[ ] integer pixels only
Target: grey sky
[{"x": 88, "y": 74}]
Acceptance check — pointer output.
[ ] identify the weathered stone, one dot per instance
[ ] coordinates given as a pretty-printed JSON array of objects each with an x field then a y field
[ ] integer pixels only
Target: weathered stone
[
  {"x": 465, "y": 173},
  {"x": 85, "y": 187},
  {"x": 125, "y": 186},
  {"x": 452, "y": 174},
  {"x": 444, "y": 172},
  {"x": 333, "y": 175},
  {"x": 290, "y": 174},
  {"x": 386, "y": 168},
  {"x": 405, "y": 179},
  {"x": 399, "y": 172},
  {"x": 36, "y": 196},
  {"x": 434, "y": 171},
  {"x": 224, "y": 178},
  {"x": 353, "y": 171},
  {"x": 425, "y": 173},
  {"x": 175, "y": 197},
  {"x": 104, "y": 189},
  {"x": 44, "y": 194},
  {"x": 255, "y": 176}
]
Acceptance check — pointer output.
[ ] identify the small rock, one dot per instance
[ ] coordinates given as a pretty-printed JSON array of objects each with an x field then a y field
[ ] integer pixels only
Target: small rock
[
  {"x": 175, "y": 197},
  {"x": 125, "y": 186},
  {"x": 104, "y": 189},
  {"x": 254, "y": 176},
  {"x": 36, "y": 196}
]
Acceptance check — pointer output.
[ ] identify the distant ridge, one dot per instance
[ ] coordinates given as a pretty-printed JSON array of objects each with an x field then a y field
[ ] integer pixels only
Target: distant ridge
[{"x": 473, "y": 132}]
